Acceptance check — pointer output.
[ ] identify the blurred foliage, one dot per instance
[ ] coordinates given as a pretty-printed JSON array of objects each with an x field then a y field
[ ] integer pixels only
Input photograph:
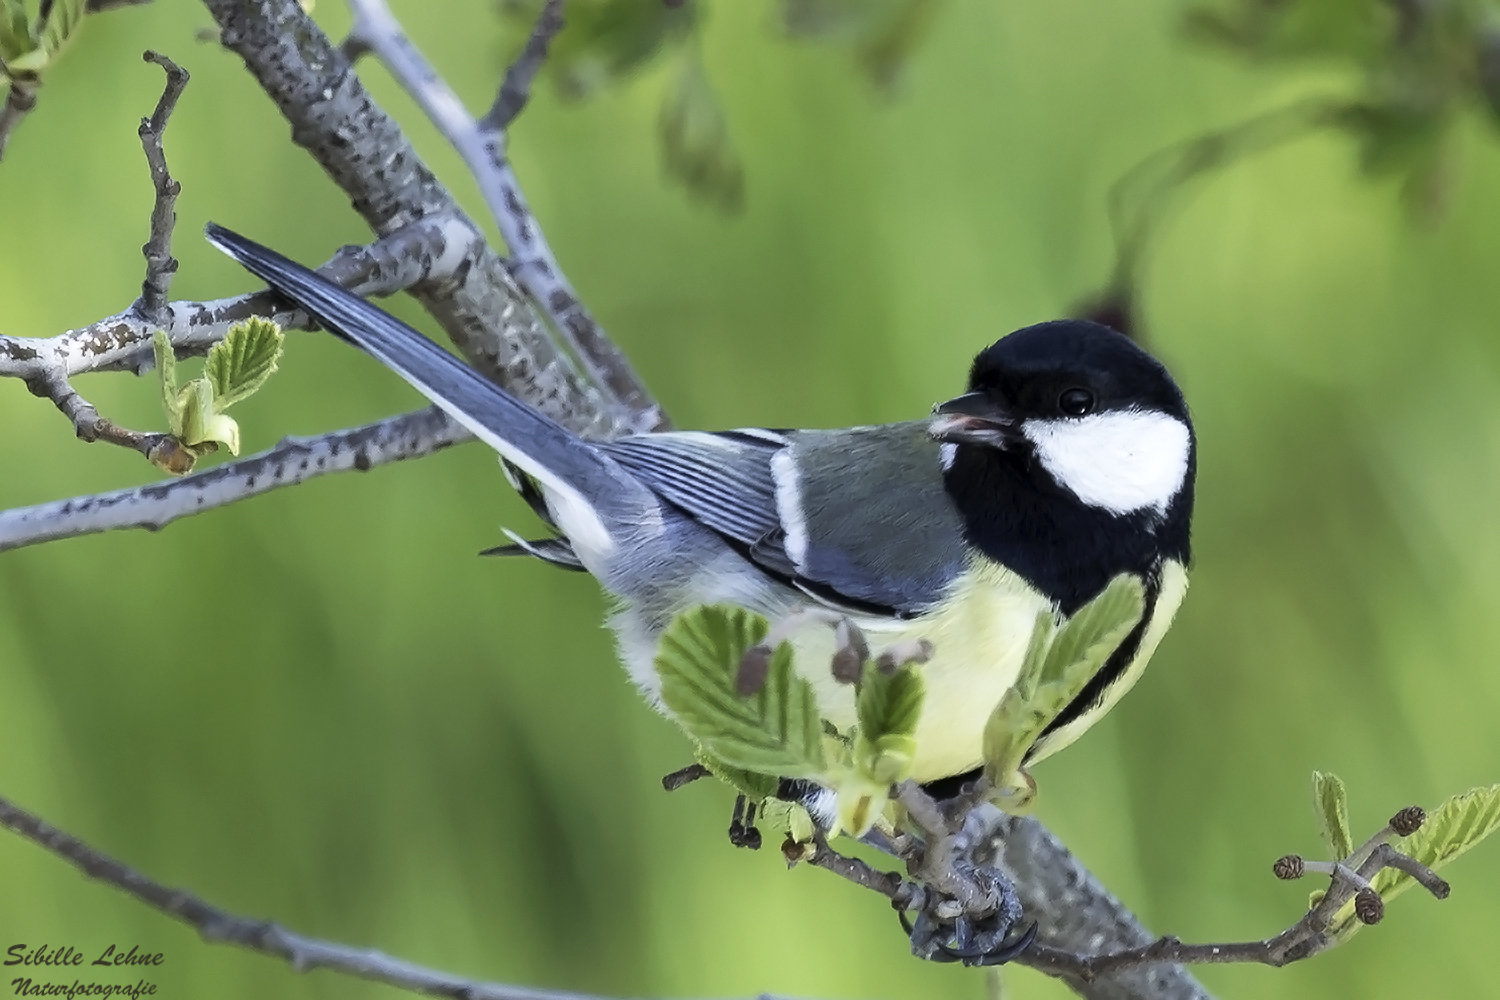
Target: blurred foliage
[
  {"x": 1418, "y": 63},
  {"x": 605, "y": 42},
  {"x": 696, "y": 146},
  {"x": 392, "y": 743},
  {"x": 882, "y": 35}
]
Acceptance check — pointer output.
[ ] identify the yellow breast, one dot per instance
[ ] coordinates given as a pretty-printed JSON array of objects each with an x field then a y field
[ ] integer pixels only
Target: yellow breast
[{"x": 980, "y": 633}]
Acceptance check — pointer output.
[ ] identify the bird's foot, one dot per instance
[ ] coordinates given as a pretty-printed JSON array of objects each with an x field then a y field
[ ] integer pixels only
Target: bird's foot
[
  {"x": 742, "y": 831},
  {"x": 983, "y": 932}
]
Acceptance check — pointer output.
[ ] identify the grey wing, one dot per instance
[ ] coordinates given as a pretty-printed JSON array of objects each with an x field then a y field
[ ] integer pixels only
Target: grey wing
[
  {"x": 843, "y": 535},
  {"x": 720, "y": 480},
  {"x": 877, "y": 524}
]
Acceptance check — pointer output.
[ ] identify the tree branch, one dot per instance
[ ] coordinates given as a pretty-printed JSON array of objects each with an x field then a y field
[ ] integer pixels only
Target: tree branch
[
  {"x": 217, "y": 926},
  {"x": 295, "y": 460},
  {"x": 482, "y": 145},
  {"x": 364, "y": 151}
]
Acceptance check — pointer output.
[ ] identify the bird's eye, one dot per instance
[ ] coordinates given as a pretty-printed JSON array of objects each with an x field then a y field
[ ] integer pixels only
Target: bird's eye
[{"x": 1075, "y": 402}]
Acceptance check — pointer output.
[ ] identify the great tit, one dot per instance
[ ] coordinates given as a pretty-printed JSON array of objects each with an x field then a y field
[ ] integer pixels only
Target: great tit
[{"x": 1069, "y": 460}]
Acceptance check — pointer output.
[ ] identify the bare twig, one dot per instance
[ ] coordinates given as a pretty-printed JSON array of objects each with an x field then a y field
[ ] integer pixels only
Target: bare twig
[
  {"x": 483, "y": 151},
  {"x": 219, "y": 927},
  {"x": 820, "y": 855},
  {"x": 160, "y": 264},
  {"x": 515, "y": 89},
  {"x": 294, "y": 460},
  {"x": 20, "y": 99},
  {"x": 87, "y": 423}
]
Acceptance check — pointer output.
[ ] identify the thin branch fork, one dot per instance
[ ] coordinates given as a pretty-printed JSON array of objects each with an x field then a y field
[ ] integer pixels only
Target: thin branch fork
[{"x": 481, "y": 143}]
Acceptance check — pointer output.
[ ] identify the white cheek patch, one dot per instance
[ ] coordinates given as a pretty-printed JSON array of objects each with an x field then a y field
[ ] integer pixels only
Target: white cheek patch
[{"x": 1122, "y": 461}]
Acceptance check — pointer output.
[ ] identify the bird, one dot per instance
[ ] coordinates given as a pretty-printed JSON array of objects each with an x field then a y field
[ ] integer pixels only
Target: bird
[{"x": 1069, "y": 458}]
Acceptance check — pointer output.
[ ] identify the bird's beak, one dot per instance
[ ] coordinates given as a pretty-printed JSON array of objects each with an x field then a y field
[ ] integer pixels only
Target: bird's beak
[{"x": 974, "y": 418}]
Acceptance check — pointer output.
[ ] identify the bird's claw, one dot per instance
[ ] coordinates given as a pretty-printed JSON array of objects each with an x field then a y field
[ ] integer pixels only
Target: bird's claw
[
  {"x": 975, "y": 940},
  {"x": 989, "y": 950}
]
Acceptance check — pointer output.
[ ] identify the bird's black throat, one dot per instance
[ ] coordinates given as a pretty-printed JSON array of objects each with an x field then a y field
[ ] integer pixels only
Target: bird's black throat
[{"x": 1014, "y": 513}]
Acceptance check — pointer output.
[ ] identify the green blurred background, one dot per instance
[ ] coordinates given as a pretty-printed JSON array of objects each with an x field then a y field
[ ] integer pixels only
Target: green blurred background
[{"x": 319, "y": 707}]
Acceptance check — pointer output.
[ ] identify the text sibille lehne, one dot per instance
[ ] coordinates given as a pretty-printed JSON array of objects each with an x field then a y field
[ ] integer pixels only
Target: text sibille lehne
[{"x": 46, "y": 958}]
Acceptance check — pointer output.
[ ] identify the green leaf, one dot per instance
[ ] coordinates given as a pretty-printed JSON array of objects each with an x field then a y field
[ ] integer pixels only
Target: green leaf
[
  {"x": 195, "y": 401},
  {"x": 889, "y": 704},
  {"x": 166, "y": 370},
  {"x": 1454, "y": 827},
  {"x": 63, "y": 21},
  {"x": 1059, "y": 664},
  {"x": 15, "y": 31},
  {"x": 1098, "y": 628},
  {"x": 1030, "y": 677},
  {"x": 696, "y": 145},
  {"x": 777, "y": 731},
  {"x": 1332, "y": 805},
  {"x": 1009, "y": 732},
  {"x": 1450, "y": 830},
  {"x": 201, "y": 423},
  {"x": 756, "y": 787},
  {"x": 239, "y": 364},
  {"x": 888, "y": 708}
]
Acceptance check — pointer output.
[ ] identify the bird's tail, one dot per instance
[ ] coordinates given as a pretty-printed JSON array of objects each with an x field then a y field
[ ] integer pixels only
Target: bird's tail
[{"x": 587, "y": 490}]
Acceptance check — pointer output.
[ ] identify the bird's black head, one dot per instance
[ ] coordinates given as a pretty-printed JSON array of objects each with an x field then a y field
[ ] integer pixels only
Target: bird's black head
[
  {"x": 1100, "y": 417},
  {"x": 1070, "y": 368}
]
